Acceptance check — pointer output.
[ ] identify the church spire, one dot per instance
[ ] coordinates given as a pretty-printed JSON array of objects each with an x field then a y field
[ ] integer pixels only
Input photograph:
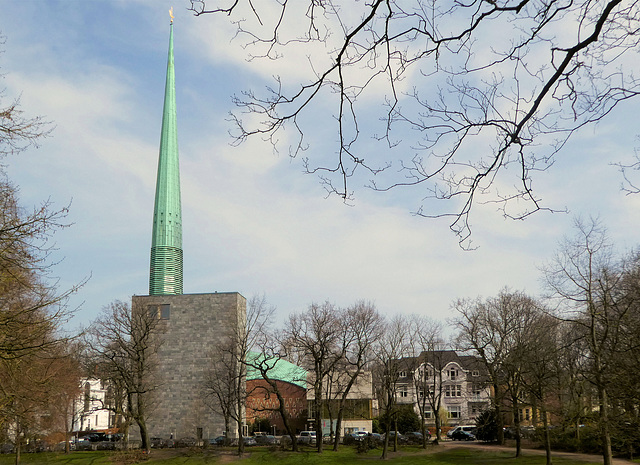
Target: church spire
[{"x": 165, "y": 275}]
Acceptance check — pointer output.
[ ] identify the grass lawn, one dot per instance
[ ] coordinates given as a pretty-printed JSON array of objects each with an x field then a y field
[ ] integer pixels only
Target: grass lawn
[{"x": 260, "y": 456}]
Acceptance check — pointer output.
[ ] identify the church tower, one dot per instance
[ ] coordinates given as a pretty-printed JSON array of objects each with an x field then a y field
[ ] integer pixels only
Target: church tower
[
  {"x": 165, "y": 276},
  {"x": 190, "y": 325}
]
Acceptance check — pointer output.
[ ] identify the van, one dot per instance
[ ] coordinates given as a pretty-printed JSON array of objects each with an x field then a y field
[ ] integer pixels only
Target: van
[{"x": 465, "y": 428}]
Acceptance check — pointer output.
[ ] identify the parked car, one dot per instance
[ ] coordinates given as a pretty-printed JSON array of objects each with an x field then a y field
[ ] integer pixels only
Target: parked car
[
  {"x": 218, "y": 441},
  {"x": 157, "y": 443},
  {"x": 83, "y": 444},
  {"x": 402, "y": 439},
  {"x": 249, "y": 441},
  {"x": 187, "y": 441},
  {"x": 351, "y": 438},
  {"x": 266, "y": 440},
  {"x": 462, "y": 435},
  {"x": 415, "y": 437},
  {"x": 307, "y": 437}
]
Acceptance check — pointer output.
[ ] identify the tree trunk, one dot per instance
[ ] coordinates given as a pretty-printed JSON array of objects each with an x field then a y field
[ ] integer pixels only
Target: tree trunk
[
  {"x": 498, "y": 402},
  {"x": 436, "y": 417},
  {"x": 240, "y": 436},
  {"x": 318, "y": 415},
  {"x": 385, "y": 445},
  {"x": 516, "y": 423},
  {"x": 144, "y": 435},
  {"x": 547, "y": 436},
  {"x": 227, "y": 425},
  {"x": 607, "y": 455},
  {"x": 18, "y": 443},
  {"x": 336, "y": 439},
  {"x": 395, "y": 436}
]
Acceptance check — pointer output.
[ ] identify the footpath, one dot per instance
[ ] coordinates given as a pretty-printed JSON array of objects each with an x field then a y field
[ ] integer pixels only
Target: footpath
[{"x": 527, "y": 451}]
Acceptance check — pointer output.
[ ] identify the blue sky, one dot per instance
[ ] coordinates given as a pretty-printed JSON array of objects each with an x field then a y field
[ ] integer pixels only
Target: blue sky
[{"x": 253, "y": 222}]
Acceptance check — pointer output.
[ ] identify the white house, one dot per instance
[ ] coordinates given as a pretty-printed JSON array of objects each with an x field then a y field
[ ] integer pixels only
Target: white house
[
  {"x": 460, "y": 380},
  {"x": 90, "y": 413}
]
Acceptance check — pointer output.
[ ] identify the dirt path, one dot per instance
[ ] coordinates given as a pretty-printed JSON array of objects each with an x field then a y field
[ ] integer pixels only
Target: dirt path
[{"x": 571, "y": 455}]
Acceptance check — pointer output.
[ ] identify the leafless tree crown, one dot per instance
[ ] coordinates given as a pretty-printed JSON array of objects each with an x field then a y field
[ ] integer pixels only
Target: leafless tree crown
[{"x": 488, "y": 91}]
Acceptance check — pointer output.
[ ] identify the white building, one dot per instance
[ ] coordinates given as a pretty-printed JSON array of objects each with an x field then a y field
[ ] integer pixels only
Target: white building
[
  {"x": 360, "y": 407},
  {"x": 460, "y": 381},
  {"x": 89, "y": 410}
]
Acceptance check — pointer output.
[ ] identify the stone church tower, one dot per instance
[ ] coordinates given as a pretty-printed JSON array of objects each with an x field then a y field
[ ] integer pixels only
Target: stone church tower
[{"x": 190, "y": 323}]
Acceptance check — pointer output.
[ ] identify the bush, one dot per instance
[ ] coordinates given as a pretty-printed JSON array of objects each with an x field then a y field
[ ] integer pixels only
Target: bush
[
  {"x": 407, "y": 420},
  {"x": 487, "y": 425}
]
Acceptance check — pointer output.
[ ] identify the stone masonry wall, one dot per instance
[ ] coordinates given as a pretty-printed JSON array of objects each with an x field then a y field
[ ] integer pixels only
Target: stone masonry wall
[{"x": 196, "y": 322}]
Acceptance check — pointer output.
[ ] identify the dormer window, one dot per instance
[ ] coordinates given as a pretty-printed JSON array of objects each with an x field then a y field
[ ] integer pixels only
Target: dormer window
[
  {"x": 453, "y": 373},
  {"x": 403, "y": 374}
]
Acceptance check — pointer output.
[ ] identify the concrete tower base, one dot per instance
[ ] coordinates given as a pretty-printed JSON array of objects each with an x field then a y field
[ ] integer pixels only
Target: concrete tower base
[{"x": 191, "y": 324}]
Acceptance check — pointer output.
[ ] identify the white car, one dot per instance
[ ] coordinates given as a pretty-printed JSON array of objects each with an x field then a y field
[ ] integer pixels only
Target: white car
[{"x": 307, "y": 437}]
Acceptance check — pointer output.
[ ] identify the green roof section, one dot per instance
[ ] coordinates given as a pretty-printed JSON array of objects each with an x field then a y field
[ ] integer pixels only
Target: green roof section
[
  {"x": 278, "y": 369},
  {"x": 165, "y": 276}
]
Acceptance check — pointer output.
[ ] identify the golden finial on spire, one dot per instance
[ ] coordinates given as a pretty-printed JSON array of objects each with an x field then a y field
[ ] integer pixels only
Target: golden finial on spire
[{"x": 171, "y": 14}]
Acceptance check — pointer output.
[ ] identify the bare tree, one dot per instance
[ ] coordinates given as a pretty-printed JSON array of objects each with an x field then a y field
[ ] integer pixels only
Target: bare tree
[
  {"x": 226, "y": 383},
  {"x": 316, "y": 335},
  {"x": 390, "y": 349},
  {"x": 361, "y": 328},
  {"x": 123, "y": 342},
  {"x": 541, "y": 367},
  {"x": 221, "y": 391},
  {"x": 17, "y": 130},
  {"x": 444, "y": 71},
  {"x": 268, "y": 363},
  {"x": 585, "y": 277},
  {"x": 427, "y": 346},
  {"x": 476, "y": 332},
  {"x": 514, "y": 314}
]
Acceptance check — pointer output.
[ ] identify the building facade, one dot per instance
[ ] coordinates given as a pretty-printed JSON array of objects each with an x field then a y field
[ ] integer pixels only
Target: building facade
[
  {"x": 459, "y": 380},
  {"x": 89, "y": 412},
  {"x": 191, "y": 325},
  {"x": 360, "y": 405}
]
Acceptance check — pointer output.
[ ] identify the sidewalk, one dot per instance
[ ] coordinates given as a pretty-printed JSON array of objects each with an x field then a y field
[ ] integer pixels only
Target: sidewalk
[{"x": 572, "y": 455}]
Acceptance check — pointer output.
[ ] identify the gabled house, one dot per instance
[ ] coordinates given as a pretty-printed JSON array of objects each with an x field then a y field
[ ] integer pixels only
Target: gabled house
[{"x": 459, "y": 381}]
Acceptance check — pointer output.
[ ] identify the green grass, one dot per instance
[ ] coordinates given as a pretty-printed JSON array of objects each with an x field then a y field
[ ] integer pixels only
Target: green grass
[{"x": 259, "y": 456}]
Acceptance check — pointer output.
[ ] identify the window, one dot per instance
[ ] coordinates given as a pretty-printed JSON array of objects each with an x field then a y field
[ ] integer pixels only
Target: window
[
  {"x": 87, "y": 397},
  {"x": 454, "y": 411},
  {"x": 453, "y": 373},
  {"x": 427, "y": 412},
  {"x": 475, "y": 373},
  {"x": 403, "y": 374},
  {"x": 420, "y": 393},
  {"x": 476, "y": 390},
  {"x": 453, "y": 390},
  {"x": 161, "y": 312},
  {"x": 403, "y": 391}
]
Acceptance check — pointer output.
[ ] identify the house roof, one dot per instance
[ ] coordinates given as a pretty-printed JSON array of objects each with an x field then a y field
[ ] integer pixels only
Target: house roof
[{"x": 277, "y": 368}]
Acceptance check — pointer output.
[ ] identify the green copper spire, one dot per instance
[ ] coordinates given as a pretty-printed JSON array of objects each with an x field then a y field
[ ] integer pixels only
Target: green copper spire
[{"x": 165, "y": 276}]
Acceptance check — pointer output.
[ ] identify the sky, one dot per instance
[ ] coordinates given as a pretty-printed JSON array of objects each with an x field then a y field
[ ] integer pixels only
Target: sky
[{"x": 253, "y": 221}]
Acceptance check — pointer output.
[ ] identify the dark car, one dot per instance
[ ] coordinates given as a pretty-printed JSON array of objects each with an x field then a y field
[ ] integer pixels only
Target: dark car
[
  {"x": 351, "y": 438},
  {"x": 186, "y": 442},
  {"x": 462, "y": 435},
  {"x": 266, "y": 440},
  {"x": 249, "y": 441},
  {"x": 157, "y": 443},
  {"x": 218, "y": 441},
  {"x": 415, "y": 437},
  {"x": 402, "y": 439}
]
